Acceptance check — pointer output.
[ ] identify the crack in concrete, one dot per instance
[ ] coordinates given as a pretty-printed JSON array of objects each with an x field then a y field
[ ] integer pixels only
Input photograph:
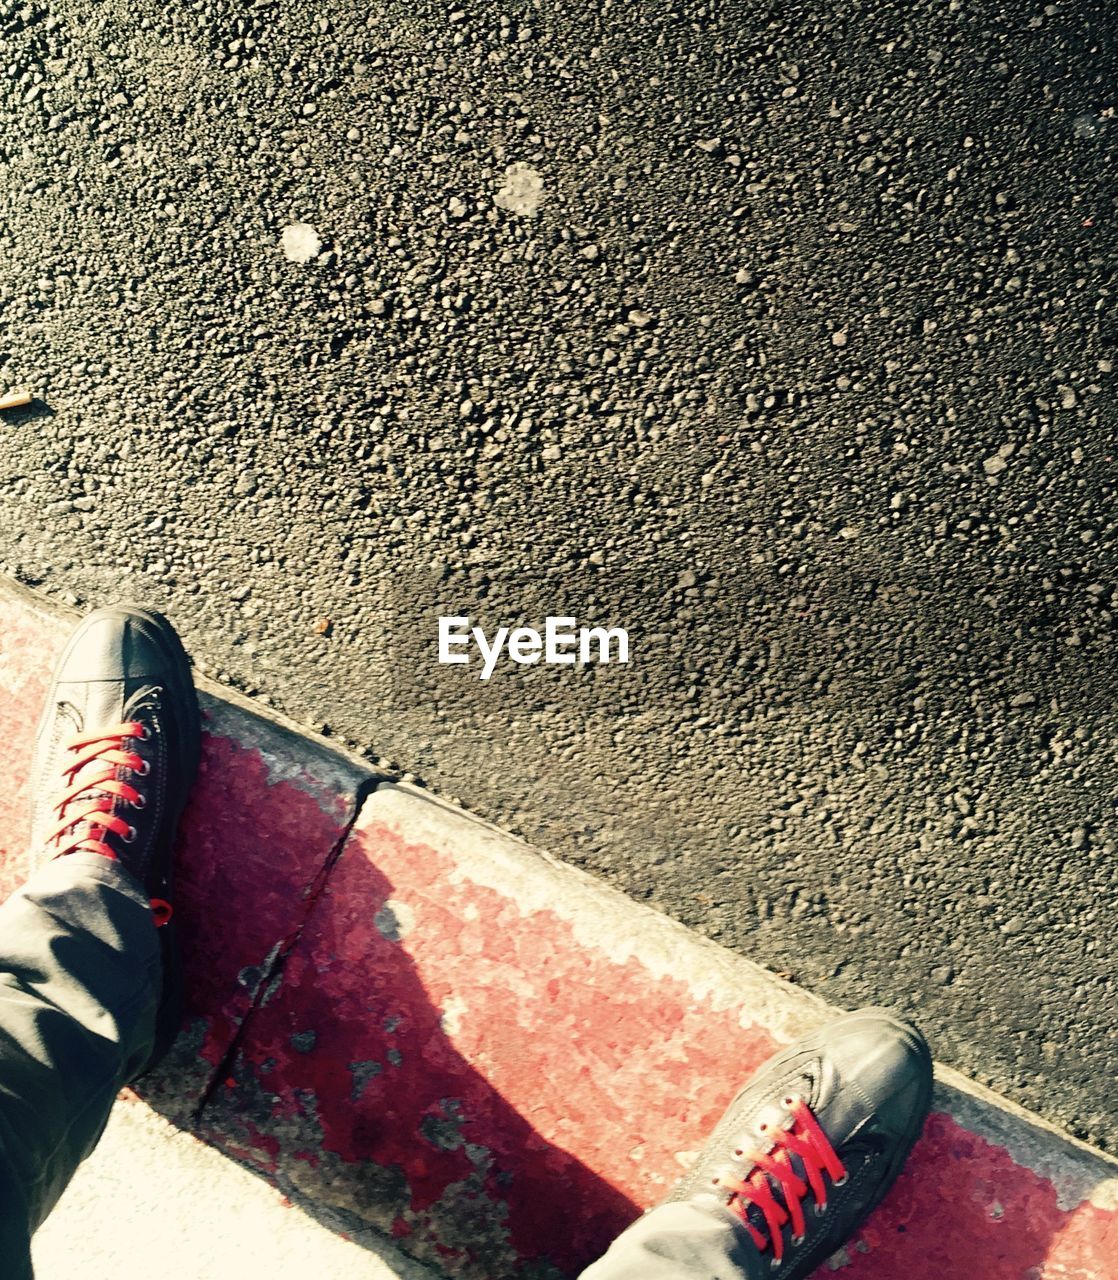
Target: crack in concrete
[{"x": 273, "y": 972}]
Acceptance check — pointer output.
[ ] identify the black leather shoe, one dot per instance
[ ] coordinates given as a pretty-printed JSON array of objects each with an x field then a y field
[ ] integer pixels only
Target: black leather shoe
[
  {"x": 116, "y": 755},
  {"x": 813, "y": 1142}
]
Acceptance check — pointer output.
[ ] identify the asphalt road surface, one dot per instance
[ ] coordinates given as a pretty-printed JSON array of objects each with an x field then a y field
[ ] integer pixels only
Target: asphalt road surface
[{"x": 782, "y": 336}]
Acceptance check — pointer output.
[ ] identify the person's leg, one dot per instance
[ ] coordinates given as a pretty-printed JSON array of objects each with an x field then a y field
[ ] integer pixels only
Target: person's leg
[
  {"x": 89, "y": 996},
  {"x": 80, "y": 981},
  {"x": 796, "y": 1164},
  {"x": 677, "y": 1242}
]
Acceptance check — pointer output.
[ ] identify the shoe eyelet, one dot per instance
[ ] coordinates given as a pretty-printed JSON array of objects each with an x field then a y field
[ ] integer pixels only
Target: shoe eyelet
[
  {"x": 763, "y": 1128},
  {"x": 130, "y": 837},
  {"x": 798, "y": 1240},
  {"x": 775, "y": 1263},
  {"x": 820, "y": 1210},
  {"x": 143, "y": 770},
  {"x": 789, "y": 1101},
  {"x": 141, "y": 802},
  {"x": 842, "y": 1181},
  {"x": 145, "y": 733}
]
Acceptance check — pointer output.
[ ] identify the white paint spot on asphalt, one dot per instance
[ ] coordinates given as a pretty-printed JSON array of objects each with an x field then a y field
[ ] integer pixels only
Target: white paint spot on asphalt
[
  {"x": 300, "y": 242},
  {"x": 522, "y": 191}
]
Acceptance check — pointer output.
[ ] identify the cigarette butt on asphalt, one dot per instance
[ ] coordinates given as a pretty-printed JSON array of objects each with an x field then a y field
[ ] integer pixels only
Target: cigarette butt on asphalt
[{"x": 15, "y": 399}]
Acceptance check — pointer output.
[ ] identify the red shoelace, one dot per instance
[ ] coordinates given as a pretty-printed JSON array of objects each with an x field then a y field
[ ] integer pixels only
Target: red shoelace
[
  {"x": 765, "y": 1174},
  {"x": 85, "y": 807}
]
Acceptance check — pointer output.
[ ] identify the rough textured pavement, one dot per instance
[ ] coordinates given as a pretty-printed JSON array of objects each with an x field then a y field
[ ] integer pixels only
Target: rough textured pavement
[{"x": 789, "y": 346}]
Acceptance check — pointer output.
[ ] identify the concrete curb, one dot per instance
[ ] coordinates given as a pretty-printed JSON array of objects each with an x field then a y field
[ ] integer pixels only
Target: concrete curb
[{"x": 422, "y": 1026}]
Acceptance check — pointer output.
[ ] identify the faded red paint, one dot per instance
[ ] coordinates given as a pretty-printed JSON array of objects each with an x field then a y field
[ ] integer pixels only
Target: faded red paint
[
  {"x": 964, "y": 1208},
  {"x": 546, "y": 1079},
  {"x": 576, "y": 1079},
  {"x": 249, "y": 854}
]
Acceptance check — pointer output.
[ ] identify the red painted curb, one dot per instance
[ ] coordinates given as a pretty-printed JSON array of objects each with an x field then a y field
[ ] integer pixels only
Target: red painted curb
[
  {"x": 267, "y": 813},
  {"x": 503, "y": 1073}
]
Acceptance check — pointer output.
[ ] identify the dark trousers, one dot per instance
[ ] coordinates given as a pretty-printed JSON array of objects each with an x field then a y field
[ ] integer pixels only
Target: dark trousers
[{"x": 79, "y": 985}]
